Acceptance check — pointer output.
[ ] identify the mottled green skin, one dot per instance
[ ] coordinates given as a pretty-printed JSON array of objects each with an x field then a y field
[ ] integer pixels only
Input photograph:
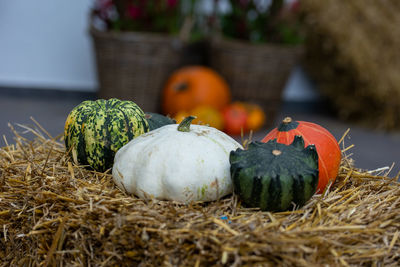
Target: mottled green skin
[
  {"x": 95, "y": 130},
  {"x": 271, "y": 181},
  {"x": 156, "y": 120}
]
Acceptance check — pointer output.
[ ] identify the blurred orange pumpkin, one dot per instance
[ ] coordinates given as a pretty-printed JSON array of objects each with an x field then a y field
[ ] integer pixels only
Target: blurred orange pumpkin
[
  {"x": 207, "y": 115},
  {"x": 181, "y": 115},
  {"x": 192, "y": 86},
  {"x": 256, "y": 116}
]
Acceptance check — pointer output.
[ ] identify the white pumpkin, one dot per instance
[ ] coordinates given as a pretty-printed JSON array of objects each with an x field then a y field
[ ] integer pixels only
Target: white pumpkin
[{"x": 183, "y": 163}]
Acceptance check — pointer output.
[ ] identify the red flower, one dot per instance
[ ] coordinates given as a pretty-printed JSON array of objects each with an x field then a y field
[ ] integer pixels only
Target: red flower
[
  {"x": 103, "y": 8},
  {"x": 104, "y": 4},
  {"x": 172, "y": 3},
  {"x": 244, "y": 3},
  {"x": 134, "y": 12},
  {"x": 295, "y": 6}
]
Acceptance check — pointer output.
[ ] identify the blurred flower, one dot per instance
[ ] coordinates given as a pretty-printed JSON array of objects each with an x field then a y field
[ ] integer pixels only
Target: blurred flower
[
  {"x": 134, "y": 11},
  {"x": 139, "y": 15},
  {"x": 172, "y": 3},
  {"x": 295, "y": 6},
  {"x": 261, "y": 21},
  {"x": 243, "y": 3}
]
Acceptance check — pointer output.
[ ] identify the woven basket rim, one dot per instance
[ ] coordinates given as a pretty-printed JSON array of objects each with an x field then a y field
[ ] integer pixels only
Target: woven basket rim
[
  {"x": 134, "y": 36},
  {"x": 257, "y": 47}
]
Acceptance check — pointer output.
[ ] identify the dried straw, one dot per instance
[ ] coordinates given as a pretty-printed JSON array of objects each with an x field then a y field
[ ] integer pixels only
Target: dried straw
[{"x": 53, "y": 212}]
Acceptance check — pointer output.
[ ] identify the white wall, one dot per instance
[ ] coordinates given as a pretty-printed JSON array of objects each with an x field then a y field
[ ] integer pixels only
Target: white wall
[{"x": 45, "y": 44}]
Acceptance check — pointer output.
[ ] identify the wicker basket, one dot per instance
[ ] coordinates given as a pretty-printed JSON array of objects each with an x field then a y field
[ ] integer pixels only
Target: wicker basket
[
  {"x": 134, "y": 66},
  {"x": 255, "y": 73}
]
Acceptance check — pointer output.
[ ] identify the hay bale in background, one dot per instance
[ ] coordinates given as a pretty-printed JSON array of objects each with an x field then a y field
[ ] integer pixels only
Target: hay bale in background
[{"x": 353, "y": 53}]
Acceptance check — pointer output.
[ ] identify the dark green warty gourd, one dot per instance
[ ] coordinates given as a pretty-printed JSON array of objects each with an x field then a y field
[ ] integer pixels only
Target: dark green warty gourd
[
  {"x": 156, "y": 120},
  {"x": 273, "y": 176}
]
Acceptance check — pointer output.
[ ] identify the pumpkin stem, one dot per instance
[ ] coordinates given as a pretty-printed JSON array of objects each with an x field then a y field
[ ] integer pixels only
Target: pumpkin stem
[
  {"x": 276, "y": 152},
  {"x": 184, "y": 126},
  {"x": 287, "y": 120},
  {"x": 287, "y": 125},
  {"x": 181, "y": 86}
]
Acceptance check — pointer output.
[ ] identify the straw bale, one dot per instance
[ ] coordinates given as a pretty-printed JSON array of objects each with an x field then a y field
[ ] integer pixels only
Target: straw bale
[
  {"x": 353, "y": 54},
  {"x": 53, "y": 212}
]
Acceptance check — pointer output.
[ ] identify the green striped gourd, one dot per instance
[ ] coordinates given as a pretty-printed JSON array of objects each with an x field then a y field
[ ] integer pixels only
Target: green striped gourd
[
  {"x": 272, "y": 176},
  {"x": 95, "y": 130}
]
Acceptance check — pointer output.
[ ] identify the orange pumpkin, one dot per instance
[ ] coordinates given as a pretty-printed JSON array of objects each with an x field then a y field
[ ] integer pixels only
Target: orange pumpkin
[
  {"x": 235, "y": 118},
  {"x": 329, "y": 154},
  {"x": 207, "y": 115},
  {"x": 192, "y": 86},
  {"x": 256, "y": 116}
]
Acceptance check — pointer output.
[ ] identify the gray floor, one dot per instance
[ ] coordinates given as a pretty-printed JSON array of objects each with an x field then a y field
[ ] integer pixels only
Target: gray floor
[{"x": 373, "y": 149}]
